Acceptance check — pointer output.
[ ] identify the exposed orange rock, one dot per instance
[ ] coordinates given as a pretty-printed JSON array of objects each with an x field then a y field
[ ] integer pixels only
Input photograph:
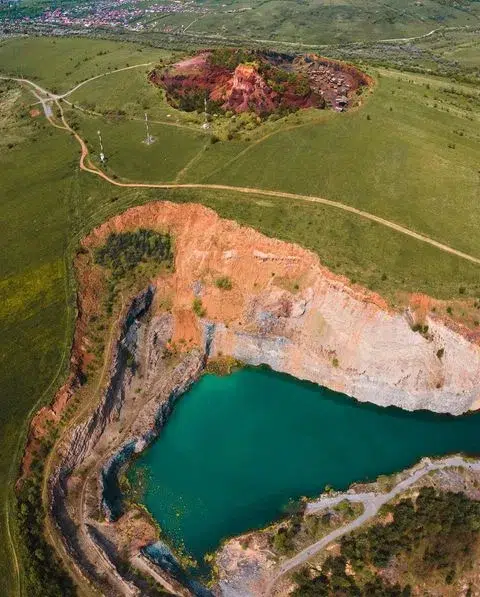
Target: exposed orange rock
[
  {"x": 261, "y": 82},
  {"x": 329, "y": 331}
]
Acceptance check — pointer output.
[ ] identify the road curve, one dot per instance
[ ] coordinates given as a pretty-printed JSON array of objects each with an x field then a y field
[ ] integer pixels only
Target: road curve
[
  {"x": 92, "y": 169},
  {"x": 372, "y": 503}
]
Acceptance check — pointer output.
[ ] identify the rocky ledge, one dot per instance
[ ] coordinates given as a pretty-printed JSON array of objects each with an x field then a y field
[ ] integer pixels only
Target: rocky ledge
[
  {"x": 236, "y": 81},
  {"x": 279, "y": 306}
]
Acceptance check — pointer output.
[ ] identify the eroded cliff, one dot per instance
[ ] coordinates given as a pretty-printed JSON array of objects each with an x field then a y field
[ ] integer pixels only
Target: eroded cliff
[{"x": 286, "y": 310}]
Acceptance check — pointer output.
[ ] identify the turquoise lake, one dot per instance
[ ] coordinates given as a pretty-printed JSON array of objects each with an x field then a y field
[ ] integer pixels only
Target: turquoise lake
[{"x": 236, "y": 450}]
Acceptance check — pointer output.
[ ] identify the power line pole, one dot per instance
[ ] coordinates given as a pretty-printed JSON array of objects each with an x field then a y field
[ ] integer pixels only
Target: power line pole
[
  {"x": 205, "y": 124},
  {"x": 102, "y": 153},
  {"x": 149, "y": 139}
]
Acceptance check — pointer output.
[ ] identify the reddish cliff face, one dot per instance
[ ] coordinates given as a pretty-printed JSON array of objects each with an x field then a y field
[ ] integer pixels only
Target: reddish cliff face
[
  {"x": 241, "y": 81},
  {"x": 256, "y": 86},
  {"x": 286, "y": 310},
  {"x": 246, "y": 90}
]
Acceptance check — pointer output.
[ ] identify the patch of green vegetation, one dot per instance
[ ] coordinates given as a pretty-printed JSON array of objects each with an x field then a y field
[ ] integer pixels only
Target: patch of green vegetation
[
  {"x": 310, "y": 22},
  {"x": 230, "y": 58},
  {"x": 122, "y": 252},
  {"x": 198, "y": 308},
  {"x": 222, "y": 365},
  {"x": 43, "y": 574},
  {"x": 130, "y": 158},
  {"x": 224, "y": 283},
  {"x": 301, "y": 529},
  {"x": 433, "y": 537}
]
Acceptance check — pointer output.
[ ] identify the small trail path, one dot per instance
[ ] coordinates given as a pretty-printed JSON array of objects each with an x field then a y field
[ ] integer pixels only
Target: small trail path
[
  {"x": 372, "y": 503},
  {"x": 56, "y": 96},
  {"x": 110, "y": 72},
  {"x": 87, "y": 166},
  {"x": 299, "y": 44}
]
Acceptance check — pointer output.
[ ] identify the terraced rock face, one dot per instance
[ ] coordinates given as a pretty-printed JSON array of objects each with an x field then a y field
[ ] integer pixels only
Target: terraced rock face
[
  {"x": 281, "y": 307},
  {"x": 240, "y": 81}
]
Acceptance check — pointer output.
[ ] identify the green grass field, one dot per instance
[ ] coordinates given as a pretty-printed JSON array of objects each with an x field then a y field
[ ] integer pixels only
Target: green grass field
[
  {"x": 314, "y": 22},
  {"x": 61, "y": 63},
  {"x": 127, "y": 153},
  {"x": 396, "y": 164},
  {"x": 409, "y": 154}
]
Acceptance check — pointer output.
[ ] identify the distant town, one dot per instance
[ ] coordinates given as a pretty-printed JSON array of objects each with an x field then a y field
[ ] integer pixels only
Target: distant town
[{"x": 132, "y": 15}]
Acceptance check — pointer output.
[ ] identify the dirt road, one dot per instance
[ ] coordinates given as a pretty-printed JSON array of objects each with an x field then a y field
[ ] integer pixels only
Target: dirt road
[
  {"x": 87, "y": 166},
  {"x": 372, "y": 503}
]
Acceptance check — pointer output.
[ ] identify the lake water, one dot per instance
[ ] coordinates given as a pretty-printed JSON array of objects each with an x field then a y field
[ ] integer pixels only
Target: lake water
[{"x": 236, "y": 450}]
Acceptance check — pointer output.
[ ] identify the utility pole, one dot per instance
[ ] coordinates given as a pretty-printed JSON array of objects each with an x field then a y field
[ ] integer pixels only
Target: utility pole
[
  {"x": 148, "y": 139},
  {"x": 102, "y": 154},
  {"x": 206, "y": 124}
]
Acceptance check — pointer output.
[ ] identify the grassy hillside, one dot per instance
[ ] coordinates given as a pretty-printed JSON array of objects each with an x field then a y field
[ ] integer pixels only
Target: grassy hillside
[
  {"x": 61, "y": 63},
  {"x": 314, "y": 22},
  {"x": 409, "y": 154},
  {"x": 34, "y": 313},
  {"x": 127, "y": 153}
]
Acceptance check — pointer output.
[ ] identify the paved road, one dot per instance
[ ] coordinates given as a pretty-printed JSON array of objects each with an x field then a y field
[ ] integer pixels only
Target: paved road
[{"x": 372, "y": 503}]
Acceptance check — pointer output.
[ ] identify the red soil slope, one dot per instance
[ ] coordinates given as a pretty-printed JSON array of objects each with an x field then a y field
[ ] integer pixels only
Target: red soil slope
[{"x": 258, "y": 82}]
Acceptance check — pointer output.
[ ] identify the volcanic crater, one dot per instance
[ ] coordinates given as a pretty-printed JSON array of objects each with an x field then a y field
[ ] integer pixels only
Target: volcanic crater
[{"x": 236, "y": 81}]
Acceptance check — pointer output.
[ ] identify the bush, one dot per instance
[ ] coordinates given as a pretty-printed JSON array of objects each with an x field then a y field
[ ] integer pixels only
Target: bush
[
  {"x": 197, "y": 307},
  {"x": 43, "y": 573},
  {"x": 123, "y": 252},
  {"x": 224, "y": 283}
]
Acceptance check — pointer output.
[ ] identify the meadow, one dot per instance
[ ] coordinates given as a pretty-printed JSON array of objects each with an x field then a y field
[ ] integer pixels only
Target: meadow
[
  {"x": 408, "y": 154},
  {"x": 397, "y": 163},
  {"x": 313, "y": 22},
  {"x": 61, "y": 63},
  {"x": 130, "y": 156}
]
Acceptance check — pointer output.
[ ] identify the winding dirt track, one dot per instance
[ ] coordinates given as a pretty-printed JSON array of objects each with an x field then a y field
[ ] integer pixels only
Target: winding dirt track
[{"x": 87, "y": 166}]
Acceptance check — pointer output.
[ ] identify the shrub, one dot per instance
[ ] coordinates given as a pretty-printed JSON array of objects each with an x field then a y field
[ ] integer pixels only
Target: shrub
[
  {"x": 436, "y": 533},
  {"x": 197, "y": 307},
  {"x": 42, "y": 572},
  {"x": 224, "y": 283}
]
